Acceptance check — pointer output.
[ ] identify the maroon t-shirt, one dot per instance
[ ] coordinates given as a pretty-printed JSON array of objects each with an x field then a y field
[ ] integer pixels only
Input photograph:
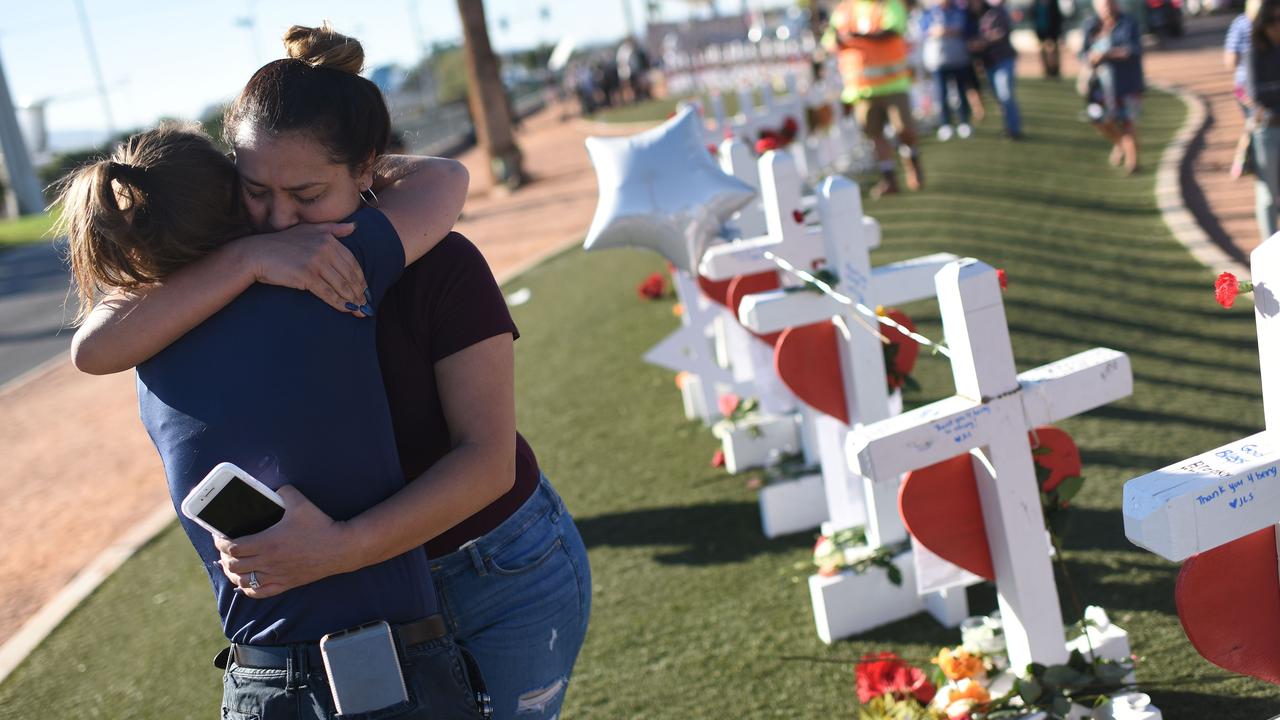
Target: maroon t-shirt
[{"x": 445, "y": 302}]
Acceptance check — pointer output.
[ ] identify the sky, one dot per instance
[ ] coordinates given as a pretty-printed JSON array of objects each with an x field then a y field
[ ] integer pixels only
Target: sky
[{"x": 176, "y": 57}]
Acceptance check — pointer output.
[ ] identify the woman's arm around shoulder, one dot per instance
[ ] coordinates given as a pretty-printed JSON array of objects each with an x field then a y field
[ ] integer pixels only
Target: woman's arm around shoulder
[
  {"x": 422, "y": 197},
  {"x": 129, "y": 327}
]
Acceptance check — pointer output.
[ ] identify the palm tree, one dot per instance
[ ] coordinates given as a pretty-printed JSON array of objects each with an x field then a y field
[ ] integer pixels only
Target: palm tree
[{"x": 490, "y": 106}]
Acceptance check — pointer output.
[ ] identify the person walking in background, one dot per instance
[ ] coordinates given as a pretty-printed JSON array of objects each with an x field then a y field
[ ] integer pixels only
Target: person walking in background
[
  {"x": 869, "y": 37},
  {"x": 1235, "y": 53},
  {"x": 1046, "y": 16},
  {"x": 1112, "y": 53},
  {"x": 946, "y": 57},
  {"x": 1000, "y": 59},
  {"x": 973, "y": 77},
  {"x": 1262, "y": 84}
]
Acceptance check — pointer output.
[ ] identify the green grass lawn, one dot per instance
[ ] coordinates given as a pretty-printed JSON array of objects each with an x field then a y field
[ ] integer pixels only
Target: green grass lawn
[
  {"x": 26, "y": 230},
  {"x": 695, "y": 614}
]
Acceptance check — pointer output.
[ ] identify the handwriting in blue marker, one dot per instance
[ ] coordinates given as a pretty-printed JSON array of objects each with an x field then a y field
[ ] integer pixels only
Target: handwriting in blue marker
[{"x": 1241, "y": 501}]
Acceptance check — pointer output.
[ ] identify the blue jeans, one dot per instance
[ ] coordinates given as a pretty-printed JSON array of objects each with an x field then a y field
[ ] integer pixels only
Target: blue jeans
[
  {"x": 1266, "y": 156},
  {"x": 941, "y": 80},
  {"x": 518, "y": 599},
  {"x": 1002, "y": 81},
  {"x": 434, "y": 673}
]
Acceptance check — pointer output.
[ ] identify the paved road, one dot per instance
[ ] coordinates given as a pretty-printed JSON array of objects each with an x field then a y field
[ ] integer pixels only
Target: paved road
[{"x": 33, "y": 291}]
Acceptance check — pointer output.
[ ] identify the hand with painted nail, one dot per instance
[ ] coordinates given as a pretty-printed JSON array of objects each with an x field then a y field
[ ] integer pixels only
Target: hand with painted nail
[{"x": 310, "y": 257}]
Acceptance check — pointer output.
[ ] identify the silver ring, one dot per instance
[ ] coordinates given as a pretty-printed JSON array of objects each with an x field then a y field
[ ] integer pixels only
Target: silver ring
[{"x": 253, "y": 579}]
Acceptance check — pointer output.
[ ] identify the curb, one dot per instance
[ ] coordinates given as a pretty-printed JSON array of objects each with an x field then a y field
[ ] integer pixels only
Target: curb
[
  {"x": 1169, "y": 199},
  {"x": 35, "y": 373},
  {"x": 39, "y": 626}
]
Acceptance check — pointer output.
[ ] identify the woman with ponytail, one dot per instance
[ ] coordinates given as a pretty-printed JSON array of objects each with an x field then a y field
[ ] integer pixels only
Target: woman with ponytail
[{"x": 507, "y": 562}]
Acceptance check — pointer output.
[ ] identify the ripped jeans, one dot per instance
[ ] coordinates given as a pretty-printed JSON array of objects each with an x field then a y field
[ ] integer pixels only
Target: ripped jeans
[{"x": 518, "y": 599}]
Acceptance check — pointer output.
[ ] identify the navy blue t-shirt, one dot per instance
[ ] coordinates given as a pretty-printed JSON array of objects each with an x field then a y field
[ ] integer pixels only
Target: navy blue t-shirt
[{"x": 291, "y": 392}]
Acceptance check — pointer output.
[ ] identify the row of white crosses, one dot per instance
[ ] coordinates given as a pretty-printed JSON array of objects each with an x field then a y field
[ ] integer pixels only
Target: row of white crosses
[
  {"x": 728, "y": 65},
  {"x": 848, "y": 603},
  {"x": 839, "y": 147},
  {"x": 989, "y": 417}
]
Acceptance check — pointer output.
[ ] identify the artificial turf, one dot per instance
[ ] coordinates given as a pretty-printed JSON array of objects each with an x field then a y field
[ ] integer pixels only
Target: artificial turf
[
  {"x": 26, "y": 230},
  {"x": 695, "y": 615}
]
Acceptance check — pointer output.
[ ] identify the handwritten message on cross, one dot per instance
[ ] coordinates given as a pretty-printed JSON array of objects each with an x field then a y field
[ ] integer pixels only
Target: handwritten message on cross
[
  {"x": 989, "y": 417},
  {"x": 1218, "y": 511}
]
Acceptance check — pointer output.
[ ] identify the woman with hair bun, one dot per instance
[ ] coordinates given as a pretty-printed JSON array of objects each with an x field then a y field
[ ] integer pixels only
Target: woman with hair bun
[{"x": 507, "y": 562}]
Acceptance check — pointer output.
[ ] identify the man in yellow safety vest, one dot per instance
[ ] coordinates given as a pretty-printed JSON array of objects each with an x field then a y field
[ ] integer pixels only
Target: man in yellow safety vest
[{"x": 869, "y": 37}]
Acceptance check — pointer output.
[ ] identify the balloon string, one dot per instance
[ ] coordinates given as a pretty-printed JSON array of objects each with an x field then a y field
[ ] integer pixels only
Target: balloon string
[{"x": 831, "y": 292}]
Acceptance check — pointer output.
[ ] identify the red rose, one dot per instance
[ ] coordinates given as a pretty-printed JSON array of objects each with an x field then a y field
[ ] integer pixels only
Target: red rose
[
  {"x": 798, "y": 215},
  {"x": 888, "y": 674},
  {"x": 1004, "y": 278},
  {"x": 717, "y": 460},
  {"x": 790, "y": 127},
  {"x": 765, "y": 144},
  {"x": 1226, "y": 289},
  {"x": 653, "y": 287},
  {"x": 711, "y": 148},
  {"x": 901, "y": 352}
]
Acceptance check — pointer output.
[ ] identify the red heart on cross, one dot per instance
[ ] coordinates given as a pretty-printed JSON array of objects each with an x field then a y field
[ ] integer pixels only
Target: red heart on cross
[
  {"x": 1229, "y": 606},
  {"x": 717, "y": 290},
  {"x": 942, "y": 510},
  {"x": 807, "y": 359},
  {"x": 745, "y": 285}
]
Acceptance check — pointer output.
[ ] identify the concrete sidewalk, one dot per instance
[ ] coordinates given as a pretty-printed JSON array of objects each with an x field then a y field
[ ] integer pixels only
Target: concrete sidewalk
[{"x": 1222, "y": 206}]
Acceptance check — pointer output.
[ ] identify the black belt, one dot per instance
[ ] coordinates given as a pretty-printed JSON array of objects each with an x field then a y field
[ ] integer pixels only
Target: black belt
[{"x": 277, "y": 657}]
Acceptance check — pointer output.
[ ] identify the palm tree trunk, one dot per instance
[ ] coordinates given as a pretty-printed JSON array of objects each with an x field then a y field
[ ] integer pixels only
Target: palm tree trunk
[{"x": 490, "y": 106}]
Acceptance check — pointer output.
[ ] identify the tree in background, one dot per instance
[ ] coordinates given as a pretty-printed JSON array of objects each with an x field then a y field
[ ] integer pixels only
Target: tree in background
[{"x": 490, "y": 106}]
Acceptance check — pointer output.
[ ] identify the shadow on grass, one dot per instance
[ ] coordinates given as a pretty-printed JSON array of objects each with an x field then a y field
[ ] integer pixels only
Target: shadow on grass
[
  {"x": 1199, "y": 703},
  {"x": 707, "y": 534}
]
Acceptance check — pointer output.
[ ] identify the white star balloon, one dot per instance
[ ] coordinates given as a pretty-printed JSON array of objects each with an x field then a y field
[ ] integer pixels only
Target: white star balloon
[{"x": 663, "y": 191}]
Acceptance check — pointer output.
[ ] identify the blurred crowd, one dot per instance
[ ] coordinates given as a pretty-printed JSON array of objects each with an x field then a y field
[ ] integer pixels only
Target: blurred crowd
[{"x": 605, "y": 80}]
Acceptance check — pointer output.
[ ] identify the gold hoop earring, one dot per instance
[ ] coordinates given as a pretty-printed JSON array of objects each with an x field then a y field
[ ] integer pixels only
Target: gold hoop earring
[{"x": 369, "y": 197}]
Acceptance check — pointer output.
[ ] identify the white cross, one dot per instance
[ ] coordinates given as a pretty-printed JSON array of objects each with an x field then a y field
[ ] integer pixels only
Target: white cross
[
  {"x": 1222, "y": 495},
  {"x": 847, "y": 252},
  {"x": 691, "y": 349},
  {"x": 989, "y": 417}
]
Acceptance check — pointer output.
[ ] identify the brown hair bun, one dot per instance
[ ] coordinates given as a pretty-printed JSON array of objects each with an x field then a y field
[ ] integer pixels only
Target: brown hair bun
[{"x": 324, "y": 47}]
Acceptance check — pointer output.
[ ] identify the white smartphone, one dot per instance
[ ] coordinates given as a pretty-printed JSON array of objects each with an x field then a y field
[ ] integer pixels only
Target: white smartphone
[
  {"x": 363, "y": 668},
  {"x": 231, "y": 503}
]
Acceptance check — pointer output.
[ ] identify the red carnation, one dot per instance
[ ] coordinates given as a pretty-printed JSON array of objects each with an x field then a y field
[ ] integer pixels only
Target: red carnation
[
  {"x": 888, "y": 674},
  {"x": 717, "y": 460},
  {"x": 1004, "y": 278},
  {"x": 1228, "y": 287},
  {"x": 653, "y": 287},
  {"x": 728, "y": 403},
  {"x": 765, "y": 144}
]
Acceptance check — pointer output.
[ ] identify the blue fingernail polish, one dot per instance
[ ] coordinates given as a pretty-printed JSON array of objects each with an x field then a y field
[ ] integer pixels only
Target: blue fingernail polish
[
  {"x": 367, "y": 310},
  {"x": 368, "y": 298},
  {"x": 352, "y": 307}
]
